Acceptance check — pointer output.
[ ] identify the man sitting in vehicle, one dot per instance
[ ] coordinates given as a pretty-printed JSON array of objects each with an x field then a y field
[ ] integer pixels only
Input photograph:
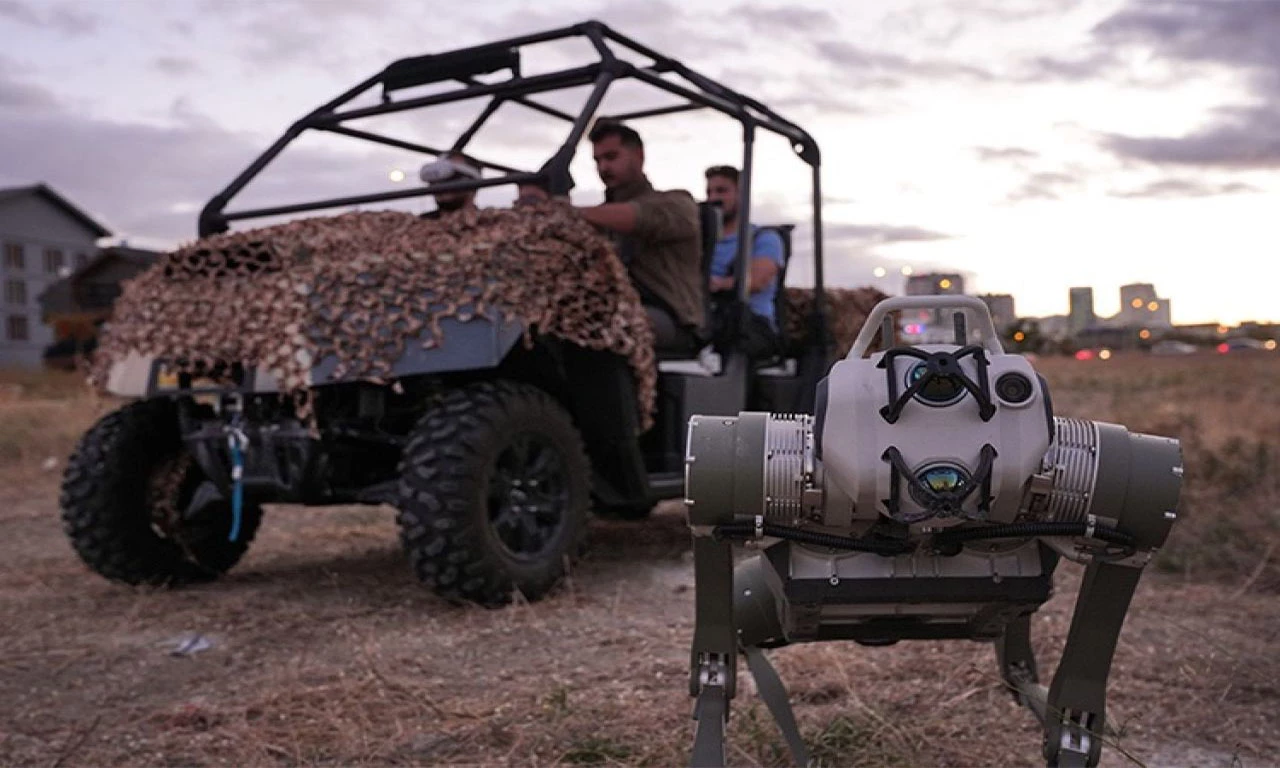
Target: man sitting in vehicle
[
  {"x": 658, "y": 236},
  {"x": 761, "y": 337},
  {"x": 451, "y": 166}
]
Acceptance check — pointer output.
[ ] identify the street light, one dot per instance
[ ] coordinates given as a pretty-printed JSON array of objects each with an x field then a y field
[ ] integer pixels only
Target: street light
[
  {"x": 906, "y": 270},
  {"x": 396, "y": 175},
  {"x": 879, "y": 271}
]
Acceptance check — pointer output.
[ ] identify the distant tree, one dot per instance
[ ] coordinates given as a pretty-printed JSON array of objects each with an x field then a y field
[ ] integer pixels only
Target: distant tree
[{"x": 1023, "y": 335}]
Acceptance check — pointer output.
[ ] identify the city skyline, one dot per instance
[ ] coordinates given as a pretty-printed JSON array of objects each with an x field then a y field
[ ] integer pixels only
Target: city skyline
[{"x": 1031, "y": 146}]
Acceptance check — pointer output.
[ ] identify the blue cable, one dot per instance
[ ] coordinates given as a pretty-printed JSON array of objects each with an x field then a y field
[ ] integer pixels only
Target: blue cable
[{"x": 237, "y": 487}]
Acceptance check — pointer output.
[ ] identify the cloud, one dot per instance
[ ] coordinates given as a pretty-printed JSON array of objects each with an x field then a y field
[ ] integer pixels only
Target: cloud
[
  {"x": 1174, "y": 188},
  {"x": 19, "y": 12},
  {"x": 993, "y": 154},
  {"x": 1016, "y": 10},
  {"x": 1238, "y": 35},
  {"x": 17, "y": 94},
  {"x": 1239, "y": 137},
  {"x": 666, "y": 26},
  {"x": 769, "y": 20},
  {"x": 880, "y": 68},
  {"x": 67, "y": 20},
  {"x": 176, "y": 65},
  {"x": 1043, "y": 186},
  {"x": 793, "y": 94},
  {"x": 145, "y": 180},
  {"x": 1070, "y": 69},
  {"x": 880, "y": 234},
  {"x": 150, "y": 177}
]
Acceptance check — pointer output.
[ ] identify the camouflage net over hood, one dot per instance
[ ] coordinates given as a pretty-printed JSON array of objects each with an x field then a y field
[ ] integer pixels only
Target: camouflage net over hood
[{"x": 360, "y": 286}]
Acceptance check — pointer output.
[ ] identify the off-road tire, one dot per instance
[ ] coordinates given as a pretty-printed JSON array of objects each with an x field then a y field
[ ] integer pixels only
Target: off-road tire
[
  {"x": 452, "y": 475},
  {"x": 114, "y": 492}
]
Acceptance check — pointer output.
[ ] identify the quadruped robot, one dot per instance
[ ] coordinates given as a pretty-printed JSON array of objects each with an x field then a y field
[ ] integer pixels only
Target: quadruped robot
[{"x": 930, "y": 496}]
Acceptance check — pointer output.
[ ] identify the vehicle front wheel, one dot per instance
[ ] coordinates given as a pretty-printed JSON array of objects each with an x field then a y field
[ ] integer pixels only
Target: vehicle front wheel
[
  {"x": 494, "y": 493},
  {"x": 126, "y": 503}
]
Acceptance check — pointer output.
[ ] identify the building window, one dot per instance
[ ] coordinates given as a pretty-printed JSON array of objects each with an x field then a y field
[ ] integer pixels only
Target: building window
[
  {"x": 53, "y": 261},
  {"x": 15, "y": 291},
  {"x": 17, "y": 328},
  {"x": 13, "y": 256}
]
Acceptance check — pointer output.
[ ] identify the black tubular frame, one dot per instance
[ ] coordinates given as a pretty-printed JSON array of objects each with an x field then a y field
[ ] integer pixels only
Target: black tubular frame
[{"x": 700, "y": 93}]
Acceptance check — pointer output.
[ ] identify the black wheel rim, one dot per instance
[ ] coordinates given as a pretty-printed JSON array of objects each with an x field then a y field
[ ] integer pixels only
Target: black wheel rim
[{"x": 528, "y": 496}]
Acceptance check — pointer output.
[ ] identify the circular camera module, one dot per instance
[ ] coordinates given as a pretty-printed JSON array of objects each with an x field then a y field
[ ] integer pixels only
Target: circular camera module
[
  {"x": 941, "y": 390},
  {"x": 940, "y": 478},
  {"x": 1013, "y": 388}
]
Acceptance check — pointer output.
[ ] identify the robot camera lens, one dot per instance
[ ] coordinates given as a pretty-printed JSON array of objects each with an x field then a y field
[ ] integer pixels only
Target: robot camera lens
[
  {"x": 943, "y": 479},
  {"x": 1013, "y": 388},
  {"x": 940, "y": 390},
  {"x": 939, "y": 479}
]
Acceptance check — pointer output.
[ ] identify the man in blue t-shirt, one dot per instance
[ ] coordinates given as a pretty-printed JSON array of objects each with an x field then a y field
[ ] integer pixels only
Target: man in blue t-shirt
[{"x": 764, "y": 267}]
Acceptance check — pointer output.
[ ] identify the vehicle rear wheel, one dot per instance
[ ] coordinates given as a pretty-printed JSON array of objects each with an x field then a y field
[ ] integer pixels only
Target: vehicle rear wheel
[
  {"x": 494, "y": 493},
  {"x": 126, "y": 498}
]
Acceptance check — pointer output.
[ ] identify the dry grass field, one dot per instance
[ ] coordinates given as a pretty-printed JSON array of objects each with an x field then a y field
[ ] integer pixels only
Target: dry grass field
[{"x": 324, "y": 651}]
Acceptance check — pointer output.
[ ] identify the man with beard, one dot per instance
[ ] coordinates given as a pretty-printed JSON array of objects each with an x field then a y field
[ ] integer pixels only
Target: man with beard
[
  {"x": 658, "y": 236},
  {"x": 761, "y": 336}
]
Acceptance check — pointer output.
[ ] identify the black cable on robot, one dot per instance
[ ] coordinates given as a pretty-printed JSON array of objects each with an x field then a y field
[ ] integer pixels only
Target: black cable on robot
[
  {"x": 1024, "y": 530},
  {"x": 943, "y": 539},
  {"x": 773, "y": 530}
]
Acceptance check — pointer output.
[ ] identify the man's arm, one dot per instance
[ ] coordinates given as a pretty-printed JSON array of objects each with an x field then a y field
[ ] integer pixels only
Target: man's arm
[
  {"x": 616, "y": 217},
  {"x": 763, "y": 271},
  {"x": 667, "y": 217},
  {"x": 766, "y": 263}
]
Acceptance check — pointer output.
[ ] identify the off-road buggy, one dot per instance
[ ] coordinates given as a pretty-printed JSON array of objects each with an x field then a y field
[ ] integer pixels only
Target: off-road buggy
[{"x": 494, "y": 444}]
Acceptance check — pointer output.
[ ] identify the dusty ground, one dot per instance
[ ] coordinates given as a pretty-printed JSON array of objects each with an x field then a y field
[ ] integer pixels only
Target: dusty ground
[{"x": 325, "y": 651}]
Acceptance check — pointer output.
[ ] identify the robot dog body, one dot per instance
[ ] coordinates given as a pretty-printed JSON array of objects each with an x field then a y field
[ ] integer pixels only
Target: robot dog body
[{"x": 930, "y": 496}]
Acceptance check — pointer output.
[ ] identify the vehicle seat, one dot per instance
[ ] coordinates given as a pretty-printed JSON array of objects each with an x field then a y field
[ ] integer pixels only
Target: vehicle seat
[{"x": 700, "y": 362}]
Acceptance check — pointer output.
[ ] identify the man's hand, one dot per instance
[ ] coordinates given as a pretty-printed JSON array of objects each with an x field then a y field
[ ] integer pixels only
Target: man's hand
[{"x": 721, "y": 283}]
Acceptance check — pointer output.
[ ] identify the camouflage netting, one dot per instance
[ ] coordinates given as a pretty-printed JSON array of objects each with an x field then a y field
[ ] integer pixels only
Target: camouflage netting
[
  {"x": 847, "y": 311},
  {"x": 360, "y": 286}
]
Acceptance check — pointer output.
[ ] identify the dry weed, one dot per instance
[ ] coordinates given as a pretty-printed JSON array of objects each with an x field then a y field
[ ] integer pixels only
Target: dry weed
[{"x": 1225, "y": 410}]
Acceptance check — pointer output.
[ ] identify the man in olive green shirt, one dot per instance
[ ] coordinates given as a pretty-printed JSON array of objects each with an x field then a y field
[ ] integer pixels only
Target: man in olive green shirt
[{"x": 658, "y": 235}]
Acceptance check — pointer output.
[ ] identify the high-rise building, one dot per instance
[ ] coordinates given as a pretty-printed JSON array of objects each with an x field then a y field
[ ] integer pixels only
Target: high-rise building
[
  {"x": 1081, "y": 315},
  {"x": 1002, "y": 310},
  {"x": 1141, "y": 308}
]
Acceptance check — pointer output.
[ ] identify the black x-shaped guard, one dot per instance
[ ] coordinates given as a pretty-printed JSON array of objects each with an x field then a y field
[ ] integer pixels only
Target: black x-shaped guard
[
  {"x": 940, "y": 503},
  {"x": 937, "y": 365}
]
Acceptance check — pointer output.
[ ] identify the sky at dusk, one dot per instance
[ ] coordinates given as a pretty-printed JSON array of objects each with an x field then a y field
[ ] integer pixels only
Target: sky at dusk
[{"x": 1031, "y": 146}]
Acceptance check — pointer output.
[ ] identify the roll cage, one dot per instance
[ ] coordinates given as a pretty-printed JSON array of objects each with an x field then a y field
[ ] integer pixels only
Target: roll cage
[{"x": 465, "y": 64}]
